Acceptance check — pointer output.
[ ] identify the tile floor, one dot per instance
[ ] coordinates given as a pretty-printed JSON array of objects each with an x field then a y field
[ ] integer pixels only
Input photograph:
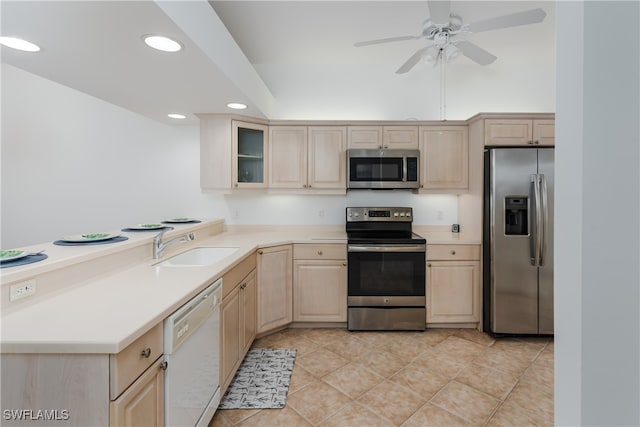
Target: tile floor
[{"x": 442, "y": 377}]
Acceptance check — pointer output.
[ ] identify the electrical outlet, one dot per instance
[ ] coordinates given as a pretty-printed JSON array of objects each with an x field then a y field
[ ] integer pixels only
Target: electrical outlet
[
  {"x": 22, "y": 290},
  {"x": 455, "y": 228}
]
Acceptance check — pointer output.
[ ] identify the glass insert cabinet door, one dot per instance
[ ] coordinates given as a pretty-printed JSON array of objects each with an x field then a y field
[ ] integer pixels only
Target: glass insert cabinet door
[{"x": 249, "y": 155}]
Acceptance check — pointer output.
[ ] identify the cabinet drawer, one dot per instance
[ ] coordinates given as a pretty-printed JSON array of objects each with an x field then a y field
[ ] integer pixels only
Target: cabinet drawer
[
  {"x": 453, "y": 252},
  {"x": 323, "y": 251},
  {"x": 231, "y": 279},
  {"x": 131, "y": 362}
]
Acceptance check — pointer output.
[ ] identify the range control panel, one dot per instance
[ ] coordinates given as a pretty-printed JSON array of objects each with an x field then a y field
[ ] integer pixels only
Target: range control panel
[{"x": 380, "y": 214}]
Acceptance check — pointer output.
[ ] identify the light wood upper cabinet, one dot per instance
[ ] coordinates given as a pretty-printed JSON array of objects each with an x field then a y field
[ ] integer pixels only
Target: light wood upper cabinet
[
  {"x": 444, "y": 153},
  {"x": 249, "y": 150},
  {"x": 288, "y": 154},
  {"x": 501, "y": 132},
  {"x": 275, "y": 287},
  {"x": 327, "y": 160},
  {"x": 307, "y": 158},
  {"x": 320, "y": 283},
  {"x": 397, "y": 137},
  {"x": 453, "y": 284}
]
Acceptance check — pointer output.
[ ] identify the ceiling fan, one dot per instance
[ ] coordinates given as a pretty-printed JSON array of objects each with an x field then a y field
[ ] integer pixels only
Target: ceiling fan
[{"x": 443, "y": 26}]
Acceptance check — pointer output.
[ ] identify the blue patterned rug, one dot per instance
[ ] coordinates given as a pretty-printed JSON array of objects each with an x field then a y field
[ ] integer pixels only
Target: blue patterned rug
[{"x": 262, "y": 381}]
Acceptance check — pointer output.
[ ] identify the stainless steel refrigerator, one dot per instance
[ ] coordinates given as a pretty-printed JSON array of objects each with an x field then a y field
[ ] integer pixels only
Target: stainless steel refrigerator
[{"x": 518, "y": 241}]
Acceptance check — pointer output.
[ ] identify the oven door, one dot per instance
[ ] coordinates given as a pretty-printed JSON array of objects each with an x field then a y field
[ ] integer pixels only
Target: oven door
[{"x": 386, "y": 275}]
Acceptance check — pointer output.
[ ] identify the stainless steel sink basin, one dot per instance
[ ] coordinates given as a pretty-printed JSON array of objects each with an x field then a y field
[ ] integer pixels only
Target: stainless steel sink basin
[{"x": 198, "y": 257}]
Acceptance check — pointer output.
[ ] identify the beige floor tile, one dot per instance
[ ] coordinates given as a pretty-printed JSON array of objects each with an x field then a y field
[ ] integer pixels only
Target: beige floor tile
[
  {"x": 441, "y": 362},
  {"x": 353, "y": 380},
  {"x": 432, "y": 337},
  {"x": 502, "y": 361},
  {"x": 432, "y": 416},
  {"x": 379, "y": 339},
  {"x": 421, "y": 380},
  {"x": 236, "y": 416},
  {"x": 220, "y": 420},
  {"x": 538, "y": 401},
  {"x": 540, "y": 373},
  {"x": 321, "y": 362},
  {"x": 525, "y": 348},
  {"x": 465, "y": 402},
  {"x": 392, "y": 401},
  {"x": 276, "y": 418},
  {"x": 324, "y": 336},
  {"x": 381, "y": 362},
  {"x": 475, "y": 335},
  {"x": 302, "y": 345},
  {"x": 510, "y": 415},
  {"x": 460, "y": 348},
  {"x": 317, "y": 401},
  {"x": 300, "y": 378},
  {"x": 491, "y": 381},
  {"x": 349, "y": 347},
  {"x": 356, "y": 415},
  {"x": 407, "y": 349}
]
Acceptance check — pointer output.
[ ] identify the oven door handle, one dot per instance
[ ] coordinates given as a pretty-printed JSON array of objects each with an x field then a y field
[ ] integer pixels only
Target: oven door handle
[{"x": 386, "y": 248}]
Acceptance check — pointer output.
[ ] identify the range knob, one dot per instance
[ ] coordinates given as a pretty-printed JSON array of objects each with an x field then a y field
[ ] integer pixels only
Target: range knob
[
  {"x": 401, "y": 213},
  {"x": 408, "y": 214},
  {"x": 356, "y": 214},
  {"x": 395, "y": 214}
]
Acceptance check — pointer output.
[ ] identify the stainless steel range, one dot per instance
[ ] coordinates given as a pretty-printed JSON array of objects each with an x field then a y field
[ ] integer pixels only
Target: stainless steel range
[{"x": 386, "y": 270}]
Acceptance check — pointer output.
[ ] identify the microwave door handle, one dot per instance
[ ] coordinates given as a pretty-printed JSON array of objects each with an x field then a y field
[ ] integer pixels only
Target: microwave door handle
[{"x": 404, "y": 168}]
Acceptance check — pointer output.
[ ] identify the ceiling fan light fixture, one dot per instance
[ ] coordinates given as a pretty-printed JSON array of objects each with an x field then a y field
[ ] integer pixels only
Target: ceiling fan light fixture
[
  {"x": 162, "y": 43},
  {"x": 19, "y": 44},
  {"x": 451, "y": 52}
]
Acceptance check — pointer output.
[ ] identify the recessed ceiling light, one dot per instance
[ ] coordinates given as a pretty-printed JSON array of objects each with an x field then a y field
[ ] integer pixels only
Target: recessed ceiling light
[
  {"x": 19, "y": 44},
  {"x": 236, "y": 106},
  {"x": 162, "y": 43},
  {"x": 177, "y": 116}
]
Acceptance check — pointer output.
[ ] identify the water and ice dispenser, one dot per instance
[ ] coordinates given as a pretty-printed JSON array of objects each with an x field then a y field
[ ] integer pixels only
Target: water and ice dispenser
[{"x": 516, "y": 215}]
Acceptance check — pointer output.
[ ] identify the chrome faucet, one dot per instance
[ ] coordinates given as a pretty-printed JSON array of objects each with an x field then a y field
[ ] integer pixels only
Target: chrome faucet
[{"x": 159, "y": 247}]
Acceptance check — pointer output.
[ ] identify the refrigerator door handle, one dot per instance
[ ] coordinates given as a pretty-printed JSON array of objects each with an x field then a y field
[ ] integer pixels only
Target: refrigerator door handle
[
  {"x": 545, "y": 220},
  {"x": 534, "y": 235}
]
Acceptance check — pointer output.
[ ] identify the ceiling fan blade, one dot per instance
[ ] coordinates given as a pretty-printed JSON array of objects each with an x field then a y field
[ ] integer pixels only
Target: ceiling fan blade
[
  {"x": 440, "y": 11},
  {"x": 532, "y": 16},
  {"x": 475, "y": 52},
  {"x": 411, "y": 62},
  {"x": 387, "y": 40}
]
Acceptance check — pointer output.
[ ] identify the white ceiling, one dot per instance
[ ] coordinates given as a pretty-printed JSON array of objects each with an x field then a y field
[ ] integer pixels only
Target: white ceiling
[{"x": 286, "y": 60}]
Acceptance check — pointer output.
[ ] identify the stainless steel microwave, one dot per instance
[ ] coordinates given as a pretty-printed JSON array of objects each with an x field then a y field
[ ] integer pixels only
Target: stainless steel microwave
[{"x": 383, "y": 169}]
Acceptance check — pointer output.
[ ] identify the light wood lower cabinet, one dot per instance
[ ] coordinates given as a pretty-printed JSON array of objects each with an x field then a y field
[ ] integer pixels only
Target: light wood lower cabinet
[
  {"x": 237, "y": 327},
  {"x": 319, "y": 283},
  {"x": 453, "y": 284},
  {"x": 275, "y": 287},
  {"x": 142, "y": 404}
]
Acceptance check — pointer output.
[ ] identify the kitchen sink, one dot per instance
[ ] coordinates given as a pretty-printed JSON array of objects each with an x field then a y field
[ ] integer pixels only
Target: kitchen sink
[{"x": 198, "y": 257}]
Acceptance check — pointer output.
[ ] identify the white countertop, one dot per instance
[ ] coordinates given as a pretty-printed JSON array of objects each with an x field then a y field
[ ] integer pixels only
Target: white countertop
[{"x": 107, "y": 314}]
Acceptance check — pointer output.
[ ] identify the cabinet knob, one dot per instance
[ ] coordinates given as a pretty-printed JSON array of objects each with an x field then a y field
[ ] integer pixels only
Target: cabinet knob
[
  {"x": 260, "y": 252},
  {"x": 304, "y": 185},
  {"x": 429, "y": 265},
  {"x": 529, "y": 142},
  {"x": 536, "y": 142},
  {"x": 146, "y": 352},
  {"x": 421, "y": 185},
  {"x": 344, "y": 264},
  {"x": 309, "y": 186},
  {"x": 164, "y": 365},
  {"x": 319, "y": 252},
  {"x": 453, "y": 252},
  {"x": 244, "y": 285},
  {"x": 236, "y": 184}
]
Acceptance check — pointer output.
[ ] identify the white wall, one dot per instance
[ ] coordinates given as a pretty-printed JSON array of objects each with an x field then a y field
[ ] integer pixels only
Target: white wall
[
  {"x": 597, "y": 281},
  {"x": 72, "y": 163}
]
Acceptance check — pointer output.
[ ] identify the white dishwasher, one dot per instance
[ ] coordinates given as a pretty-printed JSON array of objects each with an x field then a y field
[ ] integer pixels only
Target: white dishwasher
[{"x": 192, "y": 351}]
